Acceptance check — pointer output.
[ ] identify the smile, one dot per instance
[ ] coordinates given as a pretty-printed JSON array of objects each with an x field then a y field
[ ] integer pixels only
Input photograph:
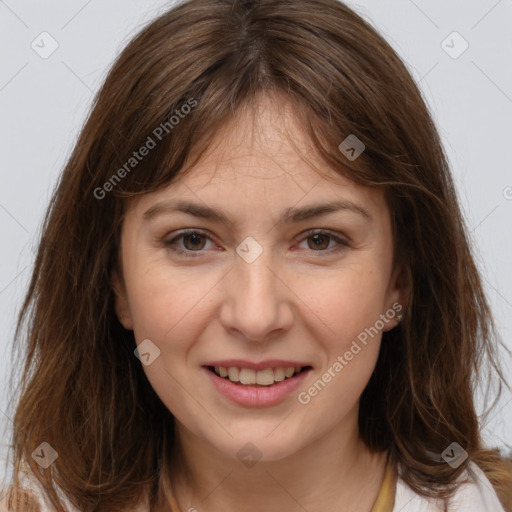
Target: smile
[
  {"x": 250, "y": 377},
  {"x": 242, "y": 385}
]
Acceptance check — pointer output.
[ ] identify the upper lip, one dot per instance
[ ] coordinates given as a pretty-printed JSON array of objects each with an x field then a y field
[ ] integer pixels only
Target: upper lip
[{"x": 262, "y": 365}]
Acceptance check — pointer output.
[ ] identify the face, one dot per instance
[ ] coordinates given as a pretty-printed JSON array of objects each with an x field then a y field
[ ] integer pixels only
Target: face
[{"x": 259, "y": 290}]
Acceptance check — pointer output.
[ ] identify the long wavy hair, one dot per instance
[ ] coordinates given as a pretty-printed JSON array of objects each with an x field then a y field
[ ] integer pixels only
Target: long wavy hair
[{"x": 79, "y": 386}]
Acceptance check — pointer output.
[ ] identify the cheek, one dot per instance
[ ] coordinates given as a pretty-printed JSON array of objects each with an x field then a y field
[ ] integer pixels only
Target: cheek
[
  {"x": 164, "y": 304},
  {"x": 163, "y": 311},
  {"x": 345, "y": 304},
  {"x": 350, "y": 307},
  {"x": 152, "y": 307}
]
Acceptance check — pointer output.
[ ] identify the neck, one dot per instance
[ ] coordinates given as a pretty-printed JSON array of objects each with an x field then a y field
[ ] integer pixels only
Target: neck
[{"x": 335, "y": 472}]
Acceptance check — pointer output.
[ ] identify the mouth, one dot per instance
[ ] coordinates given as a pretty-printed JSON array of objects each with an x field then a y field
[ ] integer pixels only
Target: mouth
[{"x": 247, "y": 377}]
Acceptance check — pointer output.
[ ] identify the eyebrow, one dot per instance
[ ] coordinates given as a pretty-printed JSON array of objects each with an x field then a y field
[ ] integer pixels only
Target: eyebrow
[{"x": 289, "y": 216}]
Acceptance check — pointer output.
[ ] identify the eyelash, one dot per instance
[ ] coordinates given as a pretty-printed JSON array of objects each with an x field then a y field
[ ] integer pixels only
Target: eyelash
[{"x": 342, "y": 244}]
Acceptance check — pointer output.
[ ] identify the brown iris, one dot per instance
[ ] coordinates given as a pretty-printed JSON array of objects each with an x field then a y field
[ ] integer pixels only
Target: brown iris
[
  {"x": 318, "y": 241},
  {"x": 195, "y": 238}
]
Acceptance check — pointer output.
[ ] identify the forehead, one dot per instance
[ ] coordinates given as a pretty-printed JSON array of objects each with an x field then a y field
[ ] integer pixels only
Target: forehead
[
  {"x": 264, "y": 140},
  {"x": 263, "y": 158}
]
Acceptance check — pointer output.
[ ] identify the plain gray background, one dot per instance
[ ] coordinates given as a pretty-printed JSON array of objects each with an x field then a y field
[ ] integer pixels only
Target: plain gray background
[{"x": 44, "y": 102}]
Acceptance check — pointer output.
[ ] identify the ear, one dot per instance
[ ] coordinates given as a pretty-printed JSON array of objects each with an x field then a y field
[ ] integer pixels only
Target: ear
[
  {"x": 397, "y": 296},
  {"x": 121, "y": 305}
]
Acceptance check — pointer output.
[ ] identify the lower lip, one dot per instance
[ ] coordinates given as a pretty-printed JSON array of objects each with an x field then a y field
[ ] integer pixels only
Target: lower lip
[{"x": 251, "y": 396}]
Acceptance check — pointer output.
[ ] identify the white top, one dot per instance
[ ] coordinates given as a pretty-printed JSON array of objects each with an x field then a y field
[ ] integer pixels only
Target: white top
[
  {"x": 478, "y": 495},
  {"x": 475, "y": 496}
]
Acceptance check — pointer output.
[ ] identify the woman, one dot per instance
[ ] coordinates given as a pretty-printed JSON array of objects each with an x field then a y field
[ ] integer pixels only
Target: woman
[{"x": 254, "y": 287}]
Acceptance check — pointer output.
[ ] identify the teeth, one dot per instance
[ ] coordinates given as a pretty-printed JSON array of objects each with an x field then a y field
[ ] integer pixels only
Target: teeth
[
  {"x": 247, "y": 376},
  {"x": 288, "y": 372},
  {"x": 279, "y": 374},
  {"x": 233, "y": 374},
  {"x": 265, "y": 377}
]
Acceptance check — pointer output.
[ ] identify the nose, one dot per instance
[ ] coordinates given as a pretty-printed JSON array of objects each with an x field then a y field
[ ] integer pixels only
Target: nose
[{"x": 256, "y": 302}]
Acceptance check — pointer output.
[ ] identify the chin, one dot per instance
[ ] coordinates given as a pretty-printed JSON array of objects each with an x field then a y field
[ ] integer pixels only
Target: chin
[{"x": 258, "y": 446}]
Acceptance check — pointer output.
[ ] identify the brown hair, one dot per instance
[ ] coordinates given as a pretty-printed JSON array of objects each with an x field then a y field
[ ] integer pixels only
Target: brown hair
[{"x": 216, "y": 56}]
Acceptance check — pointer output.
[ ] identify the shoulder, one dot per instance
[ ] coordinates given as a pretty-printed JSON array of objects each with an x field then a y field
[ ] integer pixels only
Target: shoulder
[
  {"x": 40, "y": 502},
  {"x": 30, "y": 496},
  {"x": 475, "y": 495}
]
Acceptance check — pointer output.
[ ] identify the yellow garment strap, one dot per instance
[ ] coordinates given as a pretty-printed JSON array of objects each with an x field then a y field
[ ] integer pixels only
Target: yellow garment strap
[{"x": 386, "y": 499}]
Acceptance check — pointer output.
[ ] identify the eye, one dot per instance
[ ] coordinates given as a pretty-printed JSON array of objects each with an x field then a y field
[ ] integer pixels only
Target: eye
[
  {"x": 320, "y": 241},
  {"x": 193, "y": 244}
]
